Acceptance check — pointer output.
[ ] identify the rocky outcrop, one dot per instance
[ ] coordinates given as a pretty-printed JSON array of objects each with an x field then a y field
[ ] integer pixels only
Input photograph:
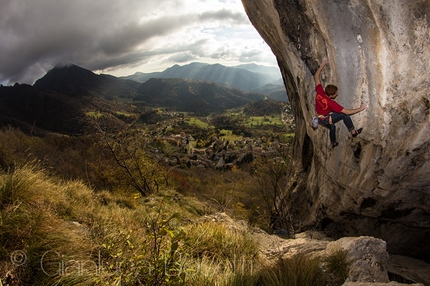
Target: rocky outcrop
[
  {"x": 369, "y": 262},
  {"x": 368, "y": 257},
  {"x": 378, "y": 53}
]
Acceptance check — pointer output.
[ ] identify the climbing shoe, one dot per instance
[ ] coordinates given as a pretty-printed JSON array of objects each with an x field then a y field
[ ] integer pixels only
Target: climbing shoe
[
  {"x": 358, "y": 131},
  {"x": 334, "y": 144}
]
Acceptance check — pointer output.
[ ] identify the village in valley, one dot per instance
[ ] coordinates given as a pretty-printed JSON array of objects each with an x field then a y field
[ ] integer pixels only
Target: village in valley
[{"x": 186, "y": 141}]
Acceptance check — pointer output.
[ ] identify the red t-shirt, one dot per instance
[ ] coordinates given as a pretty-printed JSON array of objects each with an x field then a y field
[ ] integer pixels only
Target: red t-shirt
[{"x": 323, "y": 104}]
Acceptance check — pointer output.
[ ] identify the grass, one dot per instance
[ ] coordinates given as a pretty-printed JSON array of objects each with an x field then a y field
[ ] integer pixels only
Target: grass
[
  {"x": 300, "y": 270},
  {"x": 62, "y": 232},
  {"x": 67, "y": 234},
  {"x": 199, "y": 123},
  {"x": 337, "y": 266},
  {"x": 287, "y": 138},
  {"x": 229, "y": 136},
  {"x": 217, "y": 242},
  {"x": 95, "y": 114},
  {"x": 256, "y": 121},
  {"x": 125, "y": 114},
  {"x": 219, "y": 253},
  {"x": 36, "y": 219}
]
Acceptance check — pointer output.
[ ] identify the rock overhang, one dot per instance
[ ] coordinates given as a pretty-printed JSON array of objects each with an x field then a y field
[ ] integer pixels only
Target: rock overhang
[{"x": 378, "y": 51}]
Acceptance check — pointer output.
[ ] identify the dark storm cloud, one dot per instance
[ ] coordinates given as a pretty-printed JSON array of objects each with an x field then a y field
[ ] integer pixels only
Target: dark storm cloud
[
  {"x": 194, "y": 50},
  {"x": 127, "y": 37},
  {"x": 35, "y": 35}
]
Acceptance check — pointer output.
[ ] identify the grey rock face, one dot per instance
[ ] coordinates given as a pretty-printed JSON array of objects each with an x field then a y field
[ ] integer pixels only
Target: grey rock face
[{"x": 377, "y": 184}]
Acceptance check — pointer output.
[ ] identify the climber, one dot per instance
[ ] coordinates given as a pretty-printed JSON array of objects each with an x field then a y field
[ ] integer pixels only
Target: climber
[{"x": 329, "y": 112}]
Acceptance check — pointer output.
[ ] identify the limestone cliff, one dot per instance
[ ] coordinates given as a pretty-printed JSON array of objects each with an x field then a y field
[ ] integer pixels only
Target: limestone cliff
[{"x": 378, "y": 53}]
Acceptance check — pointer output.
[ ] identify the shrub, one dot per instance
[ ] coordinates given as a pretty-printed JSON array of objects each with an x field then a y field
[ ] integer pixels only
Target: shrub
[
  {"x": 299, "y": 270},
  {"x": 337, "y": 267},
  {"x": 127, "y": 162},
  {"x": 149, "y": 257}
]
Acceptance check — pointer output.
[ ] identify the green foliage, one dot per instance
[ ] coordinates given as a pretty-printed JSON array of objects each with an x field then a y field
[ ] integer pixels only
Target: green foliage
[
  {"x": 193, "y": 96},
  {"x": 123, "y": 238},
  {"x": 256, "y": 121},
  {"x": 126, "y": 116},
  {"x": 129, "y": 227},
  {"x": 287, "y": 138},
  {"x": 95, "y": 114},
  {"x": 199, "y": 123},
  {"x": 235, "y": 193},
  {"x": 89, "y": 158},
  {"x": 229, "y": 136},
  {"x": 60, "y": 154}
]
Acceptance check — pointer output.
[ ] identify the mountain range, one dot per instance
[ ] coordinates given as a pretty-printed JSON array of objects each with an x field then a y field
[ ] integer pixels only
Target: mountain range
[
  {"x": 194, "y": 96},
  {"x": 247, "y": 77},
  {"x": 61, "y": 100}
]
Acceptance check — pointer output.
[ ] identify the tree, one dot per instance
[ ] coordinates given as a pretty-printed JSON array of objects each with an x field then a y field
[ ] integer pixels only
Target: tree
[
  {"x": 132, "y": 162},
  {"x": 271, "y": 176}
]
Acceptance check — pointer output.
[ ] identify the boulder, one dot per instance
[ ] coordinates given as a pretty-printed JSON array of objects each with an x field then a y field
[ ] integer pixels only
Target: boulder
[
  {"x": 378, "y": 53},
  {"x": 368, "y": 257}
]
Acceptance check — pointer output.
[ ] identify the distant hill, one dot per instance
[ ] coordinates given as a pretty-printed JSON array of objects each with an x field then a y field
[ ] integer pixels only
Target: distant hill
[
  {"x": 181, "y": 94},
  {"x": 274, "y": 72},
  {"x": 74, "y": 80},
  {"x": 247, "y": 78},
  {"x": 275, "y": 91},
  {"x": 58, "y": 101},
  {"x": 195, "y": 96},
  {"x": 35, "y": 111}
]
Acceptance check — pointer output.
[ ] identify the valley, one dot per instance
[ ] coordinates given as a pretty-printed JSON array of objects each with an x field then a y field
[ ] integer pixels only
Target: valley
[
  {"x": 102, "y": 159},
  {"x": 97, "y": 128}
]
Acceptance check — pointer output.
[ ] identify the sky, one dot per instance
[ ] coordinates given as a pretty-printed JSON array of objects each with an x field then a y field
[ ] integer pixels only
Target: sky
[{"x": 121, "y": 37}]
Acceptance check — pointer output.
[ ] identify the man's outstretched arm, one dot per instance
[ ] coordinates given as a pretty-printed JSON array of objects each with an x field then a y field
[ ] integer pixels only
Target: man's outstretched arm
[
  {"x": 318, "y": 72},
  {"x": 355, "y": 110}
]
